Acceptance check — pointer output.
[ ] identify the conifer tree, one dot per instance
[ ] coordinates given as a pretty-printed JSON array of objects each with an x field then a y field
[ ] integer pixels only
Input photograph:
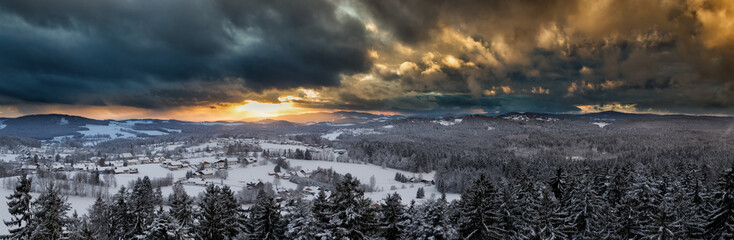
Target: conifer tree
[
  {"x": 420, "y": 194},
  {"x": 480, "y": 218},
  {"x": 122, "y": 221},
  {"x": 721, "y": 220},
  {"x": 209, "y": 216},
  {"x": 49, "y": 213},
  {"x": 19, "y": 207},
  {"x": 302, "y": 224},
  {"x": 265, "y": 218},
  {"x": 231, "y": 212},
  {"x": 142, "y": 205},
  {"x": 181, "y": 207},
  {"x": 351, "y": 215},
  {"x": 164, "y": 227},
  {"x": 392, "y": 217},
  {"x": 100, "y": 219}
]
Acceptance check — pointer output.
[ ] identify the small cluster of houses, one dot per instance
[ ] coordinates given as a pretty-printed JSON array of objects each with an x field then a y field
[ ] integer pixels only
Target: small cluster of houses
[{"x": 288, "y": 174}]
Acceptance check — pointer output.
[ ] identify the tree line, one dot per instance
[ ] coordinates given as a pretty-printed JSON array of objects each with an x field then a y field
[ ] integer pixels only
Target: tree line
[{"x": 628, "y": 202}]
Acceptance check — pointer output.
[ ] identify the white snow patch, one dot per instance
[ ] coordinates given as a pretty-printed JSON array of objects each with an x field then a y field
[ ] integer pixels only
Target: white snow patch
[
  {"x": 448, "y": 123},
  {"x": 601, "y": 124},
  {"x": 115, "y": 130},
  {"x": 172, "y": 130},
  {"x": 388, "y": 126},
  {"x": 63, "y": 121},
  {"x": 332, "y": 136},
  {"x": 2, "y": 125}
]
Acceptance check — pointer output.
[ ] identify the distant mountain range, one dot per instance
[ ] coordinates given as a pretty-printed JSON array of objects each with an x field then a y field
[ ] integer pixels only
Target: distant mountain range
[{"x": 59, "y": 126}]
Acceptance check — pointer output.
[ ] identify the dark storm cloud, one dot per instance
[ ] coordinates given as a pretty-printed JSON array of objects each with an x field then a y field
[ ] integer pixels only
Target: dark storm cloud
[
  {"x": 98, "y": 52},
  {"x": 407, "y": 56}
]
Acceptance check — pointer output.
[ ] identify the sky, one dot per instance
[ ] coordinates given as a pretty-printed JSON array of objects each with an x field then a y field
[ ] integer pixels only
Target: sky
[{"x": 239, "y": 59}]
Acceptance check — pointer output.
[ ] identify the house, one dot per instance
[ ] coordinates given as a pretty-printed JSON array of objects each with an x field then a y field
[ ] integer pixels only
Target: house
[
  {"x": 174, "y": 165},
  {"x": 206, "y": 173},
  {"x": 122, "y": 170},
  {"x": 340, "y": 151},
  {"x": 29, "y": 167},
  {"x": 126, "y": 156},
  {"x": 57, "y": 167},
  {"x": 196, "y": 181},
  {"x": 219, "y": 164}
]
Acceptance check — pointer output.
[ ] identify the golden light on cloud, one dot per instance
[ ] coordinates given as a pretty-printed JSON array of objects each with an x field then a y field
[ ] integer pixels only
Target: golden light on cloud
[
  {"x": 619, "y": 107},
  {"x": 254, "y": 109}
]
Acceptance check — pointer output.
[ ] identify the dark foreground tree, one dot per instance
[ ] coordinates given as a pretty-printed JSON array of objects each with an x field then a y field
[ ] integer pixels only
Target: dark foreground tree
[
  {"x": 49, "y": 214},
  {"x": 19, "y": 207}
]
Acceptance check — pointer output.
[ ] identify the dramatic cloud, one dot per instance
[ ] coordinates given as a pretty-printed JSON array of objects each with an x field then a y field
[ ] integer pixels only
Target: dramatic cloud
[{"x": 411, "y": 56}]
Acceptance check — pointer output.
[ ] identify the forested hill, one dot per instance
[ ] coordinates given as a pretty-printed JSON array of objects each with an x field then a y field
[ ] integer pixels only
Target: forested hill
[{"x": 462, "y": 148}]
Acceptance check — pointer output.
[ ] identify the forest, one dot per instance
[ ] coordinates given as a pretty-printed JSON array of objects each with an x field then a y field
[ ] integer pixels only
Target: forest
[{"x": 600, "y": 201}]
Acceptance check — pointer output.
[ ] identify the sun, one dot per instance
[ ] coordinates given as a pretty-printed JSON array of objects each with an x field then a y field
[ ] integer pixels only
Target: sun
[{"x": 255, "y": 109}]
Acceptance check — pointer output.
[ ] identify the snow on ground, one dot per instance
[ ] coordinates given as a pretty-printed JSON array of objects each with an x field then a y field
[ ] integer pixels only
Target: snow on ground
[
  {"x": 80, "y": 204},
  {"x": 332, "y": 136},
  {"x": 172, "y": 130},
  {"x": 388, "y": 126},
  {"x": 116, "y": 130},
  {"x": 448, "y": 123},
  {"x": 384, "y": 178},
  {"x": 7, "y": 157},
  {"x": 2, "y": 125},
  {"x": 238, "y": 177},
  {"x": 112, "y": 130},
  {"x": 281, "y": 147},
  {"x": 62, "y": 138},
  {"x": 601, "y": 124},
  {"x": 133, "y": 122}
]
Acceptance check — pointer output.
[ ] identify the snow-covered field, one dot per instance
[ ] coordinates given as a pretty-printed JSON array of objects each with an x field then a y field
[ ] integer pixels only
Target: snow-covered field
[
  {"x": 332, "y": 136},
  {"x": 448, "y": 123},
  {"x": 240, "y": 176},
  {"x": 7, "y": 157},
  {"x": 117, "y": 130},
  {"x": 601, "y": 124}
]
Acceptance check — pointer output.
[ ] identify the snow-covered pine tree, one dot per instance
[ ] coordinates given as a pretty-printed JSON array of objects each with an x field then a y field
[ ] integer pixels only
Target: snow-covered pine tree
[
  {"x": 430, "y": 222},
  {"x": 586, "y": 208},
  {"x": 351, "y": 215},
  {"x": 164, "y": 227},
  {"x": 721, "y": 220},
  {"x": 121, "y": 220},
  {"x": 209, "y": 216},
  {"x": 265, "y": 218},
  {"x": 694, "y": 210},
  {"x": 420, "y": 194},
  {"x": 19, "y": 207},
  {"x": 665, "y": 223},
  {"x": 231, "y": 212},
  {"x": 480, "y": 219},
  {"x": 554, "y": 221},
  {"x": 142, "y": 203},
  {"x": 99, "y": 217},
  {"x": 302, "y": 224},
  {"x": 78, "y": 228},
  {"x": 49, "y": 214},
  {"x": 322, "y": 212},
  {"x": 558, "y": 184},
  {"x": 392, "y": 217},
  {"x": 181, "y": 207}
]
